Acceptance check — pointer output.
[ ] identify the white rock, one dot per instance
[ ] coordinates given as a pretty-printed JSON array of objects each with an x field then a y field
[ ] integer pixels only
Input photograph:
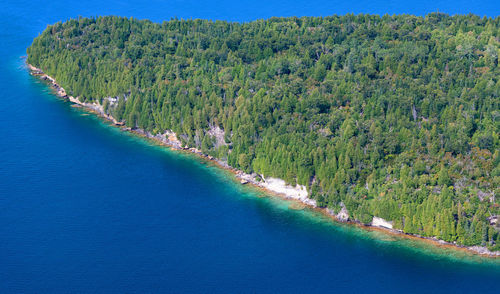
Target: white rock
[
  {"x": 380, "y": 222},
  {"x": 298, "y": 192}
]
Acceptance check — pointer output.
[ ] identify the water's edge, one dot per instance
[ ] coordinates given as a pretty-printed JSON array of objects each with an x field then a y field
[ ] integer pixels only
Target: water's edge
[{"x": 170, "y": 140}]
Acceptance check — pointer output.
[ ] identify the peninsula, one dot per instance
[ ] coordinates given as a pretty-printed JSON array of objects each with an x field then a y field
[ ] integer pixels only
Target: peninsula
[{"x": 386, "y": 121}]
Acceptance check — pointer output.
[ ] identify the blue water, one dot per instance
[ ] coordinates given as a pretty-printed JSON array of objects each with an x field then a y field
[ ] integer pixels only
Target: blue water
[{"x": 86, "y": 208}]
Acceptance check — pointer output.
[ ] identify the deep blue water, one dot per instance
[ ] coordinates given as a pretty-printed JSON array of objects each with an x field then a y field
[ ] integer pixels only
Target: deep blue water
[{"x": 85, "y": 208}]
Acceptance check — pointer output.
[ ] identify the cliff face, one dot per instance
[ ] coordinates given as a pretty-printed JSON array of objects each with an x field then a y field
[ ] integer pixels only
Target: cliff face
[
  {"x": 298, "y": 192},
  {"x": 342, "y": 215},
  {"x": 382, "y": 223}
]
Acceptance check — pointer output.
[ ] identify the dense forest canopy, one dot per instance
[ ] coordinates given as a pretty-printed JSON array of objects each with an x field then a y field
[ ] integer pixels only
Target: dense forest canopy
[{"x": 393, "y": 116}]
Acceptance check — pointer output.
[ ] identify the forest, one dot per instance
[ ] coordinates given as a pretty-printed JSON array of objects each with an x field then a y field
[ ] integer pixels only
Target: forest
[{"x": 390, "y": 116}]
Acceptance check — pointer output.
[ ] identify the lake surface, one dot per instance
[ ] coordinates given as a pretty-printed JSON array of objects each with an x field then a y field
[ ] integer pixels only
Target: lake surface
[{"x": 86, "y": 208}]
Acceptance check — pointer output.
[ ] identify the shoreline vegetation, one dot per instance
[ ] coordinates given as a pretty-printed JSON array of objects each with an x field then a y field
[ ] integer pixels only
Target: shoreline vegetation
[{"x": 272, "y": 186}]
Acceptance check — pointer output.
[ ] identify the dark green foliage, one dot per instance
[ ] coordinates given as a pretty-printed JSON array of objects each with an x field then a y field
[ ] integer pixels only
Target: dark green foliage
[{"x": 395, "y": 116}]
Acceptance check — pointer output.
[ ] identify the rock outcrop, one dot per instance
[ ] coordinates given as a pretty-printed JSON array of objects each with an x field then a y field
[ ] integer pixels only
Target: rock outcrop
[{"x": 380, "y": 222}]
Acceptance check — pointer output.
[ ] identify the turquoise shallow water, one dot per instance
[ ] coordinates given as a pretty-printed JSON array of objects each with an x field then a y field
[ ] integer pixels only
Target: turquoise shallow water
[{"x": 87, "y": 208}]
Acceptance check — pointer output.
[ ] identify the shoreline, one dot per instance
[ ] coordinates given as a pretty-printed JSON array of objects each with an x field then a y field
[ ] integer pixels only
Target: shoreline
[{"x": 272, "y": 186}]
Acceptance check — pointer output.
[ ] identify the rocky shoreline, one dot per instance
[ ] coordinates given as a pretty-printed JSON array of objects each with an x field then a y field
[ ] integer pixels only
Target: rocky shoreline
[{"x": 274, "y": 186}]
